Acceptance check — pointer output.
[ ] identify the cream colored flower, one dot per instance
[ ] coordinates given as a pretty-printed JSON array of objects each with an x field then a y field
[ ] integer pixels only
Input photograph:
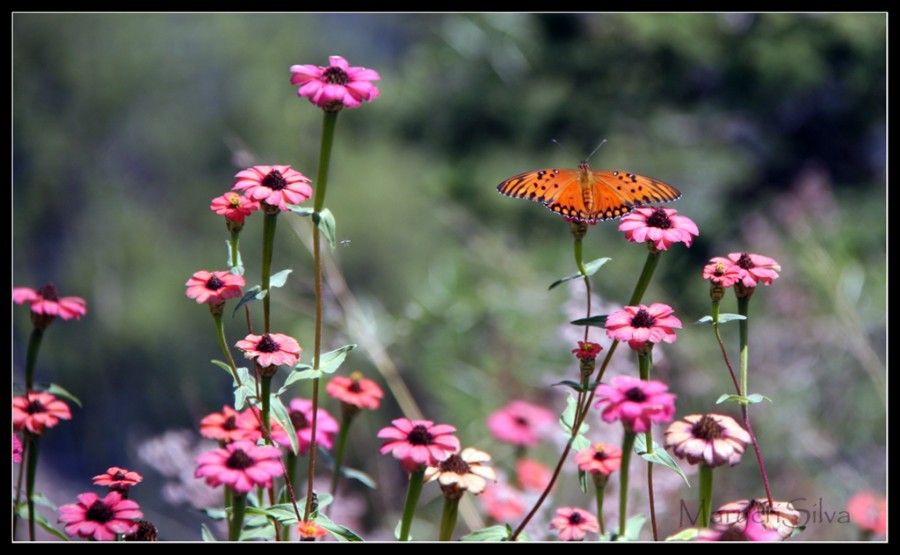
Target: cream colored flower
[
  {"x": 781, "y": 517},
  {"x": 462, "y": 472},
  {"x": 712, "y": 439}
]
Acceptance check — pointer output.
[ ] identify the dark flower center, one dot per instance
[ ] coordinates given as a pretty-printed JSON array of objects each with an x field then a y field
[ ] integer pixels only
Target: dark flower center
[
  {"x": 659, "y": 219},
  {"x": 274, "y": 180},
  {"x": 35, "y": 407},
  {"x": 239, "y": 460},
  {"x": 355, "y": 387},
  {"x": 643, "y": 319},
  {"x": 99, "y": 512},
  {"x": 454, "y": 464},
  {"x": 521, "y": 421},
  {"x": 720, "y": 270},
  {"x": 636, "y": 394},
  {"x": 600, "y": 456},
  {"x": 230, "y": 424},
  {"x": 298, "y": 419},
  {"x": 420, "y": 436},
  {"x": 119, "y": 475},
  {"x": 733, "y": 534},
  {"x": 745, "y": 262},
  {"x": 48, "y": 292},
  {"x": 335, "y": 76},
  {"x": 707, "y": 429},
  {"x": 267, "y": 344},
  {"x": 214, "y": 283},
  {"x": 576, "y": 518}
]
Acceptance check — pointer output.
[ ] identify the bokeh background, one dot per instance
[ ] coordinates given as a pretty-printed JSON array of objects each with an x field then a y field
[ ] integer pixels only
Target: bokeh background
[{"x": 125, "y": 126}]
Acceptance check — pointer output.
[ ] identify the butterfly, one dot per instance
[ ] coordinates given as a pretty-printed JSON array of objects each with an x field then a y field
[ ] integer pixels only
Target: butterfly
[{"x": 586, "y": 195}]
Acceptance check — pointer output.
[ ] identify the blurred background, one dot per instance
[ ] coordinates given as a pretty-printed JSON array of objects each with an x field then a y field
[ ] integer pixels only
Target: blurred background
[{"x": 772, "y": 125}]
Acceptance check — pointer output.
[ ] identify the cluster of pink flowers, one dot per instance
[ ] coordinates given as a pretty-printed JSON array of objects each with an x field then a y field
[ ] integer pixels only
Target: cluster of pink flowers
[
  {"x": 102, "y": 519},
  {"x": 740, "y": 267}
]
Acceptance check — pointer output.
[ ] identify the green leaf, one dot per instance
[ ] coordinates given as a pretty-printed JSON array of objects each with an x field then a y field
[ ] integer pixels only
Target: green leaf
[
  {"x": 300, "y": 372},
  {"x": 236, "y": 270},
  {"x": 754, "y": 398},
  {"x": 590, "y": 268},
  {"x": 633, "y": 528},
  {"x": 59, "y": 391},
  {"x": 205, "y": 534},
  {"x": 247, "y": 390},
  {"x": 281, "y": 415},
  {"x": 684, "y": 536},
  {"x": 583, "y": 481},
  {"x": 301, "y": 210},
  {"x": 332, "y": 360},
  {"x": 255, "y": 293},
  {"x": 596, "y": 321},
  {"x": 567, "y": 422},
  {"x": 279, "y": 279},
  {"x": 216, "y": 514},
  {"x": 723, "y": 318},
  {"x": 573, "y": 385},
  {"x": 751, "y": 399},
  {"x": 397, "y": 531},
  {"x": 498, "y": 533},
  {"x": 266, "y": 532},
  {"x": 283, "y": 513},
  {"x": 359, "y": 476},
  {"x": 342, "y": 533},
  {"x": 658, "y": 456},
  {"x": 324, "y": 220},
  {"x": 42, "y": 521}
]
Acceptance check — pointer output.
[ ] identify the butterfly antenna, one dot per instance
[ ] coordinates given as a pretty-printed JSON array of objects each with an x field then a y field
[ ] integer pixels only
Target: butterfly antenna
[
  {"x": 596, "y": 148},
  {"x": 562, "y": 146}
]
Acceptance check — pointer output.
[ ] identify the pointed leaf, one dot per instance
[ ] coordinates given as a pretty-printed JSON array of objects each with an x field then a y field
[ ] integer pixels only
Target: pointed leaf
[
  {"x": 247, "y": 390},
  {"x": 255, "y": 293},
  {"x": 658, "y": 456},
  {"x": 60, "y": 391},
  {"x": 283, "y": 513},
  {"x": 324, "y": 220},
  {"x": 723, "y": 318},
  {"x": 684, "y": 536},
  {"x": 567, "y": 422},
  {"x": 301, "y": 210},
  {"x": 498, "y": 533},
  {"x": 279, "y": 279},
  {"x": 754, "y": 398},
  {"x": 590, "y": 268},
  {"x": 596, "y": 321},
  {"x": 359, "y": 476},
  {"x": 633, "y": 528},
  {"x": 751, "y": 399},
  {"x": 342, "y": 533},
  {"x": 573, "y": 385},
  {"x": 281, "y": 415},
  {"x": 332, "y": 360},
  {"x": 300, "y": 372},
  {"x": 266, "y": 532},
  {"x": 205, "y": 534}
]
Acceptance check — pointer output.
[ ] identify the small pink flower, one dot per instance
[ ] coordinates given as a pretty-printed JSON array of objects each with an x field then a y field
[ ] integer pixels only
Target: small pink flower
[
  {"x": 532, "y": 475},
  {"x": 599, "y": 458},
  {"x": 271, "y": 348},
  {"x": 749, "y": 530},
  {"x": 587, "y": 350},
  {"x": 722, "y": 272},
  {"x": 233, "y": 206},
  {"x": 36, "y": 411},
  {"x": 502, "y": 502},
  {"x": 17, "y": 449},
  {"x": 355, "y": 390},
  {"x": 301, "y": 417},
  {"x": 753, "y": 268},
  {"x": 520, "y": 423},
  {"x": 118, "y": 479},
  {"x": 639, "y": 325},
  {"x": 869, "y": 512},
  {"x": 46, "y": 304},
  {"x": 749, "y": 515},
  {"x": 713, "y": 439},
  {"x": 337, "y": 85},
  {"x": 573, "y": 523},
  {"x": 635, "y": 402},
  {"x": 240, "y": 465},
  {"x": 214, "y": 287},
  {"x": 659, "y": 226},
  {"x": 230, "y": 425},
  {"x": 419, "y": 442},
  {"x": 100, "y": 519},
  {"x": 276, "y": 185},
  {"x": 309, "y": 529}
]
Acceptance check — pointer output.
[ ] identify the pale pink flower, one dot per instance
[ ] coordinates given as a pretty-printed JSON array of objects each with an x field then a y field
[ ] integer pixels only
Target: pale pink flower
[
  {"x": 520, "y": 423},
  {"x": 636, "y": 402},
  {"x": 573, "y": 523},
  {"x": 36, "y": 411},
  {"x": 458, "y": 473},
  {"x": 337, "y": 85},
  {"x": 713, "y": 439},
  {"x": 213, "y": 287},
  {"x": 100, "y": 519},
  {"x": 301, "y": 417},
  {"x": 46, "y": 302},
  {"x": 419, "y": 442},
  {"x": 659, "y": 226},
  {"x": 275, "y": 185},
  {"x": 355, "y": 390},
  {"x": 869, "y": 511},
  {"x": 17, "y": 449},
  {"x": 722, "y": 272},
  {"x": 532, "y": 475},
  {"x": 118, "y": 479},
  {"x": 781, "y": 517},
  {"x": 233, "y": 206},
  {"x": 271, "y": 349},
  {"x": 599, "y": 458},
  {"x": 240, "y": 465},
  {"x": 230, "y": 425},
  {"x": 750, "y": 529},
  {"x": 641, "y": 324},
  {"x": 310, "y": 530},
  {"x": 502, "y": 502},
  {"x": 753, "y": 268}
]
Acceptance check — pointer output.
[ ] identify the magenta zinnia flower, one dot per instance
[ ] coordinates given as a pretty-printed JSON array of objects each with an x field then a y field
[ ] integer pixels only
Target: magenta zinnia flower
[
  {"x": 230, "y": 425},
  {"x": 520, "y": 423},
  {"x": 118, "y": 479},
  {"x": 713, "y": 439},
  {"x": 587, "y": 350},
  {"x": 45, "y": 302},
  {"x": 502, "y": 502},
  {"x": 419, "y": 442},
  {"x": 355, "y": 390},
  {"x": 722, "y": 272},
  {"x": 36, "y": 411},
  {"x": 749, "y": 530},
  {"x": 641, "y": 324},
  {"x": 17, "y": 449},
  {"x": 573, "y": 523},
  {"x": 240, "y": 465},
  {"x": 599, "y": 458},
  {"x": 781, "y": 517},
  {"x": 100, "y": 519},
  {"x": 636, "y": 402},
  {"x": 753, "y": 268},
  {"x": 301, "y": 417},
  {"x": 271, "y": 348},
  {"x": 214, "y": 287},
  {"x": 338, "y": 85},
  {"x": 233, "y": 206},
  {"x": 659, "y": 226},
  {"x": 276, "y": 185}
]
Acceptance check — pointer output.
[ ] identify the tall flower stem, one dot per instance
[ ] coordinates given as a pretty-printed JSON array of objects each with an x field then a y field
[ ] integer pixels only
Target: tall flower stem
[
  {"x": 234, "y": 241},
  {"x": 238, "y": 508},
  {"x": 627, "y": 447},
  {"x": 448, "y": 519},
  {"x": 339, "y": 451},
  {"x": 32, "y": 441},
  {"x": 706, "y": 487},
  {"x": 412, "y": 499},
  {"x": 269, "y": 223},
  {"x": 34, "y": 345},
  {"x": 599, "y": 492},
  {"x": 223, "y": 344},
  {"x": 328, "y": 126},
  {"x": 645, "y": 363}
]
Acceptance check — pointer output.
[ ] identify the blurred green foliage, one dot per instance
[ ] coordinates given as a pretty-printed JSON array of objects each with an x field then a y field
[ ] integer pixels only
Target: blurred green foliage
[{"x": 125, "y": 126}]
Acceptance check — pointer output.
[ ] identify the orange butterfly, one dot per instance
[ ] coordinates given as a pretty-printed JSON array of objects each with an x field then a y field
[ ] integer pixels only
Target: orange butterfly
[{"x": 587, "y": 195}]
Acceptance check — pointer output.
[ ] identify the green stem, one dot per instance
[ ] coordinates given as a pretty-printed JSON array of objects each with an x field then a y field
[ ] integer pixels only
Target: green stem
[
  {"x": 627, "y": 447},
  {"x": 18, "y": 499},
  {"x": 290, "y": 467},
  {"x": 237, "y": 516},
  {"x": 268, "y": 247},
  {"x": 644, "y": 279},
  {"x": 223, "y": 344},
  {"x": 339, "y": 450},
  {"x": 599, "y": 492},
  {"x": 265, "y": 394},
  {"x": 645, "y": 363},
  {"x": 228, "y": 502},
  {"x": 412, "y": 498},
  {"x": 29, "y": 481},
  {"x": 34, "y": 345},
  {"x": 448, "y": 519},
  {"x": 328, "y": 126},
  {"x": 235, "y": 254},
  {"x": 706, "y": 487}
]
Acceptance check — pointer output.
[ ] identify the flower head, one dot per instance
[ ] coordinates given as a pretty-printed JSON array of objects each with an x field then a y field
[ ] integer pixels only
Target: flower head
[
  {"x": 301, "y": 414},
  {"x": 355, "y": 390},
  {"x": 660, "y": 227},
  {"x": 275, "y": 185},
  {"x": 145, "y": 532},
  {"x": 781, "y": 517},
  {"x": 240, "y": 465},
  {"x": 118, "y": 479},
  {"x": 713, "y": 439},
  {"x": 599, "y": 458},
  {"x": 458, "y": 473},
  {"x": 722, "y": 271},
  {"x": 336, "y": 86},
  {"x": 532, "y": 475},
  {"x": 419, "y": 442},
  {"x": 869, "y": 511},
  {"x": 750, "y": 529},
  {"x": 310, "y": 530},
  {"x": 573, "y": 523},
  {"x": 587, "y": 350},
  {"x": 636, "y": 402},
  {"x": 214, "y": 287},
  {"x": 639, "y": 325},
  {"x": 753, "y": 268},
  {"x": 17, "y": 449},
  {"x": 46, "y": 305},
  {"x": 520, "y": 423},
  {"x": 271, "y": 348},
  {"x": 502, "y": 502},
  {"x": 230, "y": 425},
  {"x": 100, "y": 519},
  {"x": 36, "y": 411},
  {"x": 233, "y": 206}
]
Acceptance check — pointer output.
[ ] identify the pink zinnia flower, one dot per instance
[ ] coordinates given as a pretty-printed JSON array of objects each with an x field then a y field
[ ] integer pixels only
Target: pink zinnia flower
[
  {"x": 271, "y": 348},
  {"x": 337, "y": 85},
  {"x": 722, "y": 271},
  {"x": 309, "y": 529},
  {"x": 301, "y": 417},
  {"x": 276, "y": 185},
  {"x": 502, "y": 502},
  {"x": 869, "y": 512},
  {"x": 233, "y": 206},
  {"x": 419, "y": 442},
  {"x": 240, "y": 465},
  {"x": 230, "y": 425},
  {"x": 713, "y": 439},
  {"x": 781, "y": 517},
  {"x": 573, "y": 523},
  {"x": 100, "y": 519},
  {"x": 532, "y": 475},
  {"x": 35, "y": 411},
  {"x": 214, "y": 287},
  {"x": 587, "y": 350},
  {"x": 355, "y": 390},
  {"x": 753, "y": 268},
  {"x": 749, "y": 530},
  {"x": 17, "y": 449},
  {"x": 520, "y": 423},
  {"x": 641, "y": 324},
  {"x": 636, "y": 402},
  {"x": 118, "y": 479},
  {"x": 599, "y": 458},
  {"x": 659, "y": 226},
  {"x": 46, "y": 304}
]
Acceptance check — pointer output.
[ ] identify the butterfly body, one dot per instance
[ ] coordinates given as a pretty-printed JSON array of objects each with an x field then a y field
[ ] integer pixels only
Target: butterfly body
[{"x": 587, "y": 195}]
